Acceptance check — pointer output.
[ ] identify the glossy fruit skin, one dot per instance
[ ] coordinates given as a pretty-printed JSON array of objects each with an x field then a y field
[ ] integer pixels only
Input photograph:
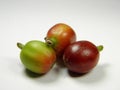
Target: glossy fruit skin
[
  {"x": 61, "y": 35},
  {"x": 37, "y": 56},
  {"x": 81, "y": 56}
]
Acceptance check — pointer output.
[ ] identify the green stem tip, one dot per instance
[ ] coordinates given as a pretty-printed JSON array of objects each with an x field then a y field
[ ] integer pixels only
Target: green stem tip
[
  {"x": 20, "y": 45},
  {"x": 100, "y": 48},
  {"x": 49, "y": 42}
]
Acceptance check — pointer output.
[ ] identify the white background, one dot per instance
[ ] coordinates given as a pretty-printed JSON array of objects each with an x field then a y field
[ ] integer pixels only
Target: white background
[{"x": 95, "y": 20}]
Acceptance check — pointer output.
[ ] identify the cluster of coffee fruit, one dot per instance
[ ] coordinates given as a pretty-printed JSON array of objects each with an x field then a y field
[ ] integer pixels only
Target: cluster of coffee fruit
[{"x": 60, "y": 42}]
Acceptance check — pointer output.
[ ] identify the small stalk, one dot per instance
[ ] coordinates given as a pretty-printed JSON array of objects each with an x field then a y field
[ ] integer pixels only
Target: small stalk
[
  {"x": 20, "y": 45},
  {"x": 49, "y": 42},
  {"x": 100, "y": 48}
]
